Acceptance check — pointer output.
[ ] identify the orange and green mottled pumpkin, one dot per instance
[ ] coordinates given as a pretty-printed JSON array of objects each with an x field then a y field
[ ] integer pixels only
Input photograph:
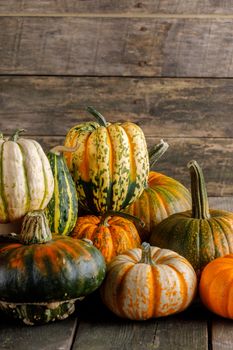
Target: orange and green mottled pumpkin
[
  {"x": 162, "y": 197},
  {"x": 148, "y": 282},
  {"x": 42, "y": 276},
  {"x": 215, "y": 286},
  {"x": 200, "y": 235},
  {"x": 112, "y": 235},
  {"x": 111, "y": 166}
]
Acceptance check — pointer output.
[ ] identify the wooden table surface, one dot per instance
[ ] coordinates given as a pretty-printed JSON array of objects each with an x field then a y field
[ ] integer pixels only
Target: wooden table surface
[{"x": 94, "y": 327}]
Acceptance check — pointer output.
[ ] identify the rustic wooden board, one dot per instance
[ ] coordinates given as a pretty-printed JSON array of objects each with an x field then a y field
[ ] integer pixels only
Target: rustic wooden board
[
  {"x": 162, "y": 107},
  {"x": 175, "y": 47},
  {"x": 99, "y": 329},
  {"x": 222, "y": 331},
  {"x": 214, "y": 155},
  {"x": 223, "y": 203},
  {"x": 120, "y": 6},
  {"x": 58, "y": 335}
]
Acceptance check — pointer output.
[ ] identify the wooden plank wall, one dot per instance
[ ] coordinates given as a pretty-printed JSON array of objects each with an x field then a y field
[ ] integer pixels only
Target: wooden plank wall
[{"x": 166, "y": 65}]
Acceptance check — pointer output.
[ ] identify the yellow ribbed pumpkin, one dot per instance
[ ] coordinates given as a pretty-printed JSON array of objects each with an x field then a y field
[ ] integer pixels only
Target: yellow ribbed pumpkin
[{"x": 111, "y": 166}]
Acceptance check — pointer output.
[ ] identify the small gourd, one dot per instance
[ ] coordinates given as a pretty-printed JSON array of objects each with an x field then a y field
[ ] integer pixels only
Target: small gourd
[
  {"x": 26, "y": 177},
  {"x": 148, "y": 282},
  {"x": 62, "y": 209},
  {"x": 111, "y": 234}
]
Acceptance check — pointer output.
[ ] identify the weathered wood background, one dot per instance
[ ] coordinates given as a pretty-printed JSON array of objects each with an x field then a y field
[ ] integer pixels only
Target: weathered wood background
[{"x": 166, "y": 65}]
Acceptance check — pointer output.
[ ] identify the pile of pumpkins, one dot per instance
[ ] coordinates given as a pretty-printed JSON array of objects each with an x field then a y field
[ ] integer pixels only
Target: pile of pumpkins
[{"x": 142, "y": 238}]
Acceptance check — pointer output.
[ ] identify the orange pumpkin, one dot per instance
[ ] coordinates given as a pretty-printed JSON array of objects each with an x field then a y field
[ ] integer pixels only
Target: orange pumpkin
[
  {"x": 216, "y": 286},
  {"x": 148, "y": 282},
  {"x": 112, "y": 235}
]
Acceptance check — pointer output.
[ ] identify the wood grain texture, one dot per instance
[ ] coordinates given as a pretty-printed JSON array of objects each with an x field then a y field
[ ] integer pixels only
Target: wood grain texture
[
  {"x": 54, "y": 336},
  {"x": 214, "y": 155},
  {"x": 162, "y": 107},
  {"x": 222, "y": 203},
  {"x": 101, "y": 330},
  {"x": 222, "y": 330},
  {"x": 150, "y": 47},
  {"x": 120, "y": 6}
]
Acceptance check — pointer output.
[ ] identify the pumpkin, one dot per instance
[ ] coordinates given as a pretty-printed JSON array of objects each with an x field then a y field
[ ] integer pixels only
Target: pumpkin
[
  {"x": 62, "y": 209},
  {"x": 148, "y": 282},
  {"x": 216, "y": 286},
  {"x": 112, "y": 235},
  {"x": 111, "y": 166},
  {"x": 42, "y": 276},
  {"x": 26, "y": 177},
  {"x": 200, "y": 235},
  {"x": 162, "y": 197}
]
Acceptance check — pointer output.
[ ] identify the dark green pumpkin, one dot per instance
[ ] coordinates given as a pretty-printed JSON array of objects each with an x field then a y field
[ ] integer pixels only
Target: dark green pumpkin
[
  {"x": 62, "y": 209},
  {"x": 42, "y": 277},
  {"x": 200, "y": 235}
]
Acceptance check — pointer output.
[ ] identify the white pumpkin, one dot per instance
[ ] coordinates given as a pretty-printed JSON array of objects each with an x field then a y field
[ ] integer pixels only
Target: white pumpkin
[{"x": 26, "y": 179}]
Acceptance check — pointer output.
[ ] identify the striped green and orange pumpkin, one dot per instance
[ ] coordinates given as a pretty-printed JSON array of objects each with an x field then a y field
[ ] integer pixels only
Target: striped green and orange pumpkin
[
  {"x": 162, "y": 197},
  {"x": 200, "y": 235},
  {"x": 62, "y": 209},
  {"x": 111, "y": 234},
  {"x": 26, "y": 177},
  {"x": 111, "y": 166},
  {"x": 42, "y": 276},
  {"x": 148, "y": 282}
]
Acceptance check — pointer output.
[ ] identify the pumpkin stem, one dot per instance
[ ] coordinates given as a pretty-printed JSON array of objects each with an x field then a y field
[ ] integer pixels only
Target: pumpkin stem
[
  {"x": 100, "y": 119},
  {"x": 156, "y": 152},
  {"x": 146, "y": 254},
  {"x": 88, "y": 241},
  {"x": 105, "y": 217},
  {"x": 57, "y": 150},
  {"x": 35, "y": 228},
  {"x": 16, "y": 134},
  {"x": 200, "y": 204}
]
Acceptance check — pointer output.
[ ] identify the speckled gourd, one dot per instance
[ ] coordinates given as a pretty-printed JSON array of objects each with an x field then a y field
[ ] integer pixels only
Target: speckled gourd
[
  {"x": 26, "y": 179},
  {"x": 148, "y": 282},
  {"x": 112, "y": 233},
  {"x": 111, "y": 165}
]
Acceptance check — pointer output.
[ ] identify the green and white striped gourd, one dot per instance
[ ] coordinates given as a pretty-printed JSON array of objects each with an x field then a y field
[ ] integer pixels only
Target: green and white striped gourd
[{"x": 62, "y": 209}]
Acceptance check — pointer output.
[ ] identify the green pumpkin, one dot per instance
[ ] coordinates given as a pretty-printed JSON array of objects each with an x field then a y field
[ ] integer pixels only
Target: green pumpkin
[
  {"x": 62, "y": 209},
  {"x": 200, "y": 235},
  {"x": 42, "y": 276}
]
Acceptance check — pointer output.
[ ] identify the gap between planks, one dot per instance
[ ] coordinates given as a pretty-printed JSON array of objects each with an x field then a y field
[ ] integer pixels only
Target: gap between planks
[
  {"x": 7, "y": 134},
  {"x": 142, "y": 77},
  {"x": 119, "y": 15}
]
